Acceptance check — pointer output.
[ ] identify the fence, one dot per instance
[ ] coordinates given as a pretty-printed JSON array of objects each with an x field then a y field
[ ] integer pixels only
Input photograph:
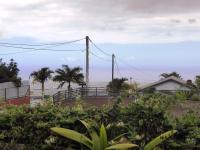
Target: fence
[
  {"x": 87, "y": 92},
  {"x": 14, "y": 92}
]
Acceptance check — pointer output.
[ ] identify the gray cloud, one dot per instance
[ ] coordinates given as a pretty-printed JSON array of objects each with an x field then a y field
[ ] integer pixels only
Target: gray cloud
[
  {"x": 135, "y": 7},
  {"x": 175, "y": 21},
  {"x": 192, "y": 20},
  {"x": 120, "y": 20}
]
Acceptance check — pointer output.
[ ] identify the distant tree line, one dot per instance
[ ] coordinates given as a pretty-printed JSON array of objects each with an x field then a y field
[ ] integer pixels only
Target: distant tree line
[{"x": 9, "y": 72}]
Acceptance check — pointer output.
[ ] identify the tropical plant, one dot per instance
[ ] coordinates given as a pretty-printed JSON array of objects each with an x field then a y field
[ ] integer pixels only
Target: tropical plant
[
  {"x": 96, "y": 142},
  {"x": 174, "y": 74},
  {"x": 100, "y": 142},
  {"x": 197, "y": 81},
  {"x": 9, "y": 72},
  {"x": 68, "y": 75},
  {"x": 41, "y": 76},
  {"x": 158, "y": 140},
  {"x": 117, "y": 84}
]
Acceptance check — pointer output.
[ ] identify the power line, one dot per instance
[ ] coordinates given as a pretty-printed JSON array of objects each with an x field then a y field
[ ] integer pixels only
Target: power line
[
  {"x": 45, "y": 44},
  {"x": 100, "y": 48},
  {"x": 135, "y": 68},
  {"x": 99, "y": 56},
  {"x": 39, "y": 50},
  {"x": 118, "y": 68},
  {"x": 31, "y": 48}
]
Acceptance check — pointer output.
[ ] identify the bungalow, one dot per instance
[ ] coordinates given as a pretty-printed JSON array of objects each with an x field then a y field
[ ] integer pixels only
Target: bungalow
[{"x": 170, "y": 84}]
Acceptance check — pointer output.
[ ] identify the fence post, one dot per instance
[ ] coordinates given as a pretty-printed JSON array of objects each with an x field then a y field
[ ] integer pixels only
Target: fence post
[
  {"x": 65, "y": 95},
  {"x": 96, "y": 91},
  {"x": 17, "y": 92},
  {"x": 5, "y": 95}
]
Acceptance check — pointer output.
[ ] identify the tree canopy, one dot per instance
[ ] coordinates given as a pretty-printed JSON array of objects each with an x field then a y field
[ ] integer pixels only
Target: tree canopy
[
  {"x": 174, "y": 74},
  {"x": 41, "y": 76},
  {"x": 117, "y": 84},
  {"x": 9, "y": 72},
  {"x": 68, "y": 75}
]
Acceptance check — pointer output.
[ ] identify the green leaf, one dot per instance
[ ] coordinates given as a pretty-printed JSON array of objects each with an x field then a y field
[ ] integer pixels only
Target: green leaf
[
  {"x": 93, "y": 135},
  {"x": 119, "y": 136},
  {"x": 158, "y": 140},
  {"x": 73, "y": 135},
  {"x": 103, "y": 137},
  {"x": 95, "y": 141},
  {"x": 122, "y": 146}
]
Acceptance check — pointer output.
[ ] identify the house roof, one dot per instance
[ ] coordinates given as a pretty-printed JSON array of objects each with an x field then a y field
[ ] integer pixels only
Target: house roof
[{"x": 161, "y": 81}]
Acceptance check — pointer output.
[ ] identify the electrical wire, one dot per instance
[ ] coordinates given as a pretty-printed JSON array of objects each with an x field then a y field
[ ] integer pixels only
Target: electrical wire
[
  {"x": 135, "y": 68},
  {"x": 45, "y": 44},
  {"x": 31, "y": 48},
  {"x": 99, "y": 48},
  {"x": 99, "y": 56},
  {"x": 39, "y": 50},
  {"x": 130, "y": 66},
  {"x": 117, "y": 66}
]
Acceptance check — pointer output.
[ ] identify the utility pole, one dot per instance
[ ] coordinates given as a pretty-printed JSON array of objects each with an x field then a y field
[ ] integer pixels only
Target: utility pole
[
  {"x": 113, "y": 66},
  {"x": 131, "y": 80},
  {"x": 87, "y": 60}
]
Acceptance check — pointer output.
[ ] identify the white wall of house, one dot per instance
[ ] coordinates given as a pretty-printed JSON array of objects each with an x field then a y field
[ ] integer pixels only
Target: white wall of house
[
  {"x": 171, "y": 86},
  {"x": 9, "y": 91}
]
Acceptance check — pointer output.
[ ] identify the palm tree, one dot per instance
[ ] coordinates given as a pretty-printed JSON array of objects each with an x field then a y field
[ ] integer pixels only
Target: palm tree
[
  {"x": 117, "y": 84},
  {"x": 68, "y": 75},
  {"x": 41, "y": 76},
  {"x": 174, "y": 74}
]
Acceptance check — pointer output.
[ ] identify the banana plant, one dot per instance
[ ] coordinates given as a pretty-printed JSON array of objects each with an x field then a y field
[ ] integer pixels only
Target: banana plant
[
  {"x": 100, "y": 142},
  {"x": 158, "y": 140},
  {"x": 95, "y": 141}
]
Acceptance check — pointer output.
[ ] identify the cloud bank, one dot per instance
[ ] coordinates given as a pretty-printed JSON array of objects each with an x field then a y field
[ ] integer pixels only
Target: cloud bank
[{"x": 116, "y": 21}]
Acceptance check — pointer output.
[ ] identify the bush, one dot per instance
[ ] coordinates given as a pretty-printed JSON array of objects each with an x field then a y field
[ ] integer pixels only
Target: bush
[
  {"x": 26, "y": 128},
  {"x": 188, "y": 137},
  {"x": 195, "y": 97}
]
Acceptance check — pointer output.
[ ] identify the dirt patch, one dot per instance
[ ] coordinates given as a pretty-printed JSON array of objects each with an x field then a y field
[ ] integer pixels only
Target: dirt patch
[
  {"x": 98, "y": 102},
  {"x": 183, "y": 107}
]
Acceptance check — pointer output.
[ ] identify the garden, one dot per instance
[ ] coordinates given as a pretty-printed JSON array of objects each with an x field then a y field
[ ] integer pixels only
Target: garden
[{"x": 51, "y": 127}]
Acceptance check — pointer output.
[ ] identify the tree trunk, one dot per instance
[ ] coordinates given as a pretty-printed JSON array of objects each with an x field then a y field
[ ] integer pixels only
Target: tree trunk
[
  {"x": 42, "y": 90},
  {"x": 69, "y": 91},
  {"x": 69, "y": 85}
]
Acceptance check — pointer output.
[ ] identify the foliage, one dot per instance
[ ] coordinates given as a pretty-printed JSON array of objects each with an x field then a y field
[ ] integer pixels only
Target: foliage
[
  {"x": 158, "y": 140},
  {"x": 68, "y": 75},
  {"x": 158, "y": 100},
  {"x": 150, "y": 90},
  {"x": 97, "y": 142},
  {"x": 117, "y": 85},
  {"x": 9, "y": 72},
  {"x": 183, "y": 95},
  {"x": 147, "y": 123},
  {"x": 188, "y": 137},
  {"x": 197, "y": 81},
  {"x": 41, "y": 76},
  {"x": 174, "y": 74},
  {"x": 195, "y": 97},
  {"x": 139, "y": 122}
]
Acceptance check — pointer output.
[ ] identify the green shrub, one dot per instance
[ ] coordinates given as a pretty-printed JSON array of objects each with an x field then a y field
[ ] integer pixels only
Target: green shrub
[
  {"x": 195, "y": 97},
  {"x": 29, "y": 128}
]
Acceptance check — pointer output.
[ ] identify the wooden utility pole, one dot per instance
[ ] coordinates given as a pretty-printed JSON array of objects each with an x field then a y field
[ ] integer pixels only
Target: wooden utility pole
[
  {"x": 131, "y": 80},
  {"x": 87, "y": 60},
  {"x": 113, "y": 66}
]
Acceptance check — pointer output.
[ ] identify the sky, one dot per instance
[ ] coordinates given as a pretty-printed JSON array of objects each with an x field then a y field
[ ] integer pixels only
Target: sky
[{"x": 148, "y": 37}]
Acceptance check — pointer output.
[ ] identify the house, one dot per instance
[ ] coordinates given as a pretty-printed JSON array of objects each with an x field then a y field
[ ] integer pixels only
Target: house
[
  {"x": 170, "y": 84},
  {"x": 11, "y": 94}
]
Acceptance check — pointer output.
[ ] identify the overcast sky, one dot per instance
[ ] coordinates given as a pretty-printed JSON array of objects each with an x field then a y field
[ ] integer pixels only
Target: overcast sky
[{"x": 166, "y": 33}]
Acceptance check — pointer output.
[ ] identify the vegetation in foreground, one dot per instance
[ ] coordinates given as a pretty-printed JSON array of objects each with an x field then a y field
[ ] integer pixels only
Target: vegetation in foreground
[{"x": 27, "y": 128}]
